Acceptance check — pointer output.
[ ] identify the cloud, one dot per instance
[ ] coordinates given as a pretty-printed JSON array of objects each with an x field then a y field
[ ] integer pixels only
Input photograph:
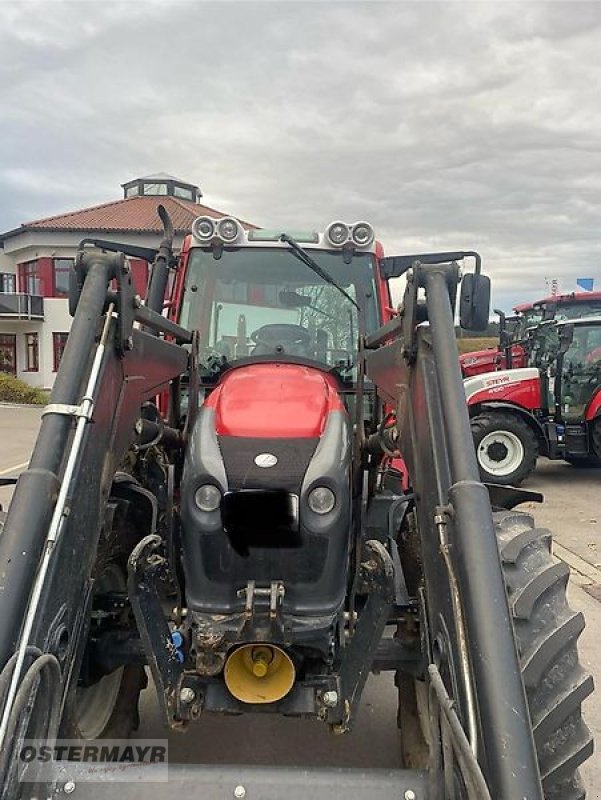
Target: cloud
[{"x": 468, "y": 125}]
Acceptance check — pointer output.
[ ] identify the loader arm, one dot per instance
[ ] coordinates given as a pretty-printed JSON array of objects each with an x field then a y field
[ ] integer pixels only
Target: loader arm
[
  {"x": 470, "y": 635},
  {"x": 50, "y": 536}
]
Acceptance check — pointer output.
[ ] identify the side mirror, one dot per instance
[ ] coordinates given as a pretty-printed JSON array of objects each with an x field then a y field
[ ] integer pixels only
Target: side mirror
[{"x": 474, "y": 302}]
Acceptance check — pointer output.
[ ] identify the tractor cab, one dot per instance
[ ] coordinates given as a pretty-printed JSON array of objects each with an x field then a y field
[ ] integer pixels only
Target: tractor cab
[
  {"x": 568, "y": 354},
  {"x": 578, "y": 380},
  {"x": 259, "y": 296}
]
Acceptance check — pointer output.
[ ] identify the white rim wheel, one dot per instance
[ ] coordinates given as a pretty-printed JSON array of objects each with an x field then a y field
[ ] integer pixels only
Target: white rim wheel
[
  {"x": 500, "y": 453},
  {"x": 95, "y": 704}
]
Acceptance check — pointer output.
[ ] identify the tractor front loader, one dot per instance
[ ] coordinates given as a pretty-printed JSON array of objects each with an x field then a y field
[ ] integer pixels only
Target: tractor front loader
[{"x": 217, "y": 497}]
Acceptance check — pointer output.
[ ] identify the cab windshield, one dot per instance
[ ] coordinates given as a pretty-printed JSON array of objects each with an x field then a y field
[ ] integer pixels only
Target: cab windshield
[
  {"x": 263, "y": 301},
  {"x": 577, "y": 310}
]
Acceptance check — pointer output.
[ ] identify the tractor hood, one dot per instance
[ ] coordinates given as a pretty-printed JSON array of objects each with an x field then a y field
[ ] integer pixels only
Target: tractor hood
[
  {"x": 516, "y": 385},
  {"x": 479, "y": 357},
  {"x": 274, "y": 401},
  {"x": 267, "y": 436}
]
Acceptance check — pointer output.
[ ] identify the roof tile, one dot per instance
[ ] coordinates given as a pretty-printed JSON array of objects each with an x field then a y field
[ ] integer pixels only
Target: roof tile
[{"x": 133, "y": 215}]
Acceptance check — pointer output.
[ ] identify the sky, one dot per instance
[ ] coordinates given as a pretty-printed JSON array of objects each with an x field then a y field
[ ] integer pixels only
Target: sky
[{"x": 448, "y": 125}]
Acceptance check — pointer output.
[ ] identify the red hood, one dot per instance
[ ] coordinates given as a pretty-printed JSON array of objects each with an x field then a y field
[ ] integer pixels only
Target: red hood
[
  {"x": 481, "y": 355},
  {"x": 274, "y": 400}
]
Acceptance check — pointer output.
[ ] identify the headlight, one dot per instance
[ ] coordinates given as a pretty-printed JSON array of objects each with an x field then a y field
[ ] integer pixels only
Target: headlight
[
  {"x": 207, "y": 497},
  {"x": 362, "y": 234},
  {"x": 321, "y": 500},
  {"x": 337, "y": 233},
  {"x": 228, "y": 229},
  {"x": 203, "y": 228}
]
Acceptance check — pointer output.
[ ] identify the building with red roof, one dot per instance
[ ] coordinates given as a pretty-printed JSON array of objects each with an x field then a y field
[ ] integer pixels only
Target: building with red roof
[{"x": 36, "y": 257}]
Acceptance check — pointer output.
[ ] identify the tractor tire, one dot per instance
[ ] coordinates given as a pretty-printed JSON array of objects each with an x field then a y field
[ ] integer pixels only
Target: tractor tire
[
  {"x": 87, "y": 721},
  {"x": 506, "y": 447},
  {"x": 596, "y": 437},
  {"x": 111, "y": 708},
  {"x": 107, "y": 709},
  {"x": 546, "y": 632}
]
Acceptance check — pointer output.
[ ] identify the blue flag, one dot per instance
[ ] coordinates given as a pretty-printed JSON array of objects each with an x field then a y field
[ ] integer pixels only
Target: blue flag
[{"x": 586, "y": 284}]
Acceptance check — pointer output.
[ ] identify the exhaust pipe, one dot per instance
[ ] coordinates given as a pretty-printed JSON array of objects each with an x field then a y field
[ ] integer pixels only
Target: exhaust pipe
[{"x": 259, "y": 673}]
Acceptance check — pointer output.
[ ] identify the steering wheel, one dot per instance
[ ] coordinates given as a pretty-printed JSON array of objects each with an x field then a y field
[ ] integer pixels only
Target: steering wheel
[{"x": 280, "y": 335}]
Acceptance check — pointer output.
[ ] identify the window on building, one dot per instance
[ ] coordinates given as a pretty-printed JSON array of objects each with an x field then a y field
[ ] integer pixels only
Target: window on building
[
  {"x": 185, "y": 194},
  {"x": 8, "y": 353},
  {"x": 62, "y": 268},
  {"x": 29, "y": 278},
  {"x": 155, "y": 188},
  {"x": 132, "y": 191},
  {"x": 8, "y": 283},
  {"x": 32, "y": 352},
  {"x": 59, "y": 340}
]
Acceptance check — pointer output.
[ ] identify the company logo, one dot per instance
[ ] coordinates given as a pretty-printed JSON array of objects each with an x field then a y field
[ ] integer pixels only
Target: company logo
[
  {"x": 266, "y": 460},
  {"x": 497, "y": 381},
  {"x": 72, "y": 761}
]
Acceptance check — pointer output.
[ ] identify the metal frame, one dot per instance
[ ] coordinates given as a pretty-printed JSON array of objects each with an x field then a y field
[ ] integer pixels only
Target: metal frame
[
  {"x": 465, "y": 592},
  {"x": 54, "y": 520}
]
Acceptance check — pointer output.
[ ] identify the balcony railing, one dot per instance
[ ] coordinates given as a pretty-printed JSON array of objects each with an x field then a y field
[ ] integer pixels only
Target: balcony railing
[{"x": 14, "y": 305}]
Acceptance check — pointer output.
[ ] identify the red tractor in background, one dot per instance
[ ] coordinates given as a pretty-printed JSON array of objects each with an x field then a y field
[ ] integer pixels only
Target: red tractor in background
[
  {"x": 551, "y": 407},
  {"x": 511, "y": 352}
]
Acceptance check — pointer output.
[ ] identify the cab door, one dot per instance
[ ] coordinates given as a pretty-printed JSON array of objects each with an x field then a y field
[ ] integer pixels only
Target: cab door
[{"x": 580, "y": 372}]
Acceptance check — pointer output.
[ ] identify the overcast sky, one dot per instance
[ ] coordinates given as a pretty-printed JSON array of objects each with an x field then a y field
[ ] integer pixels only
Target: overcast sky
[{"x": 452, "y": 125}]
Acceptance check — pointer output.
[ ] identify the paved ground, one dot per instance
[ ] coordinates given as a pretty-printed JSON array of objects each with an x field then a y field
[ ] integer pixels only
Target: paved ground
[{"x": 572, "y": 511}]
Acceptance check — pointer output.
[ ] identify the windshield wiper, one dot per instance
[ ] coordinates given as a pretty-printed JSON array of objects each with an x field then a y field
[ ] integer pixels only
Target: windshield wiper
[{"x": 303, "y": 256}]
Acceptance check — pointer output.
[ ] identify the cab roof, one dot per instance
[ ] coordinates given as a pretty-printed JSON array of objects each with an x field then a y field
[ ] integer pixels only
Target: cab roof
[{"x": 571, "y": 297}]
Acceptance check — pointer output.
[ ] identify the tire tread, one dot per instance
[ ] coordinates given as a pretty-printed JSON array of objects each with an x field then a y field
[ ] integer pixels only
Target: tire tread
[{"x": 547, "y": 631}]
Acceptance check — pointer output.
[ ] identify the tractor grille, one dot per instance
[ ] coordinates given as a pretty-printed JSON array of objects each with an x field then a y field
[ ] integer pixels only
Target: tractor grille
[{"x": 293, "y": 457}]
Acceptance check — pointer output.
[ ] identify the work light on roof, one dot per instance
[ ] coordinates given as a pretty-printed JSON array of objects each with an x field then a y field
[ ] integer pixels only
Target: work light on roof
[
  {"x": 228, "y": 229},
  {"x": 337, "y": 233},
  {"x": 203, "y": 228},
  {"x": 362, "y": 234}
]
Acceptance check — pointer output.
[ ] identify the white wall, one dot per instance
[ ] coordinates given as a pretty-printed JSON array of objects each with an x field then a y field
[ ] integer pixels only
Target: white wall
[{"x": 29, "y": 245}]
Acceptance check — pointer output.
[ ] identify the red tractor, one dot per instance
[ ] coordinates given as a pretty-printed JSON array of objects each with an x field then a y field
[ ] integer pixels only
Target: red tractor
[
  {"x": 248, "y": 541},
  {"x": 550, "y": 408},
  {"x": 513, "y": 331}
]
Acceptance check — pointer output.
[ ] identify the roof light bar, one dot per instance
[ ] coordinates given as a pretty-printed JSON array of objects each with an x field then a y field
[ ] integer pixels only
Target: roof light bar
[
  {"x": 337, "y": 233},
  {"x": 203, "y": 228},
  {"x": 361, "y": 234},
  {"x": 228, "y": 229}
]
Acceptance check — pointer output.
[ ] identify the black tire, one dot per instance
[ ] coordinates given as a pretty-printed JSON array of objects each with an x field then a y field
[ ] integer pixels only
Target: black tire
[
  {"x": 547, "y": 631},
  {"x": 596, "y": 437},
  {"x": 124, "y": 718},
  {"x": 506, "y": 444},
  {"x": 109, "y": 708}
]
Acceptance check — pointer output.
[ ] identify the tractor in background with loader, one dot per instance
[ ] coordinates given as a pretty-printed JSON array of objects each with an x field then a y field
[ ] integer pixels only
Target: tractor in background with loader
[{"x": 214, "y": 496}]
